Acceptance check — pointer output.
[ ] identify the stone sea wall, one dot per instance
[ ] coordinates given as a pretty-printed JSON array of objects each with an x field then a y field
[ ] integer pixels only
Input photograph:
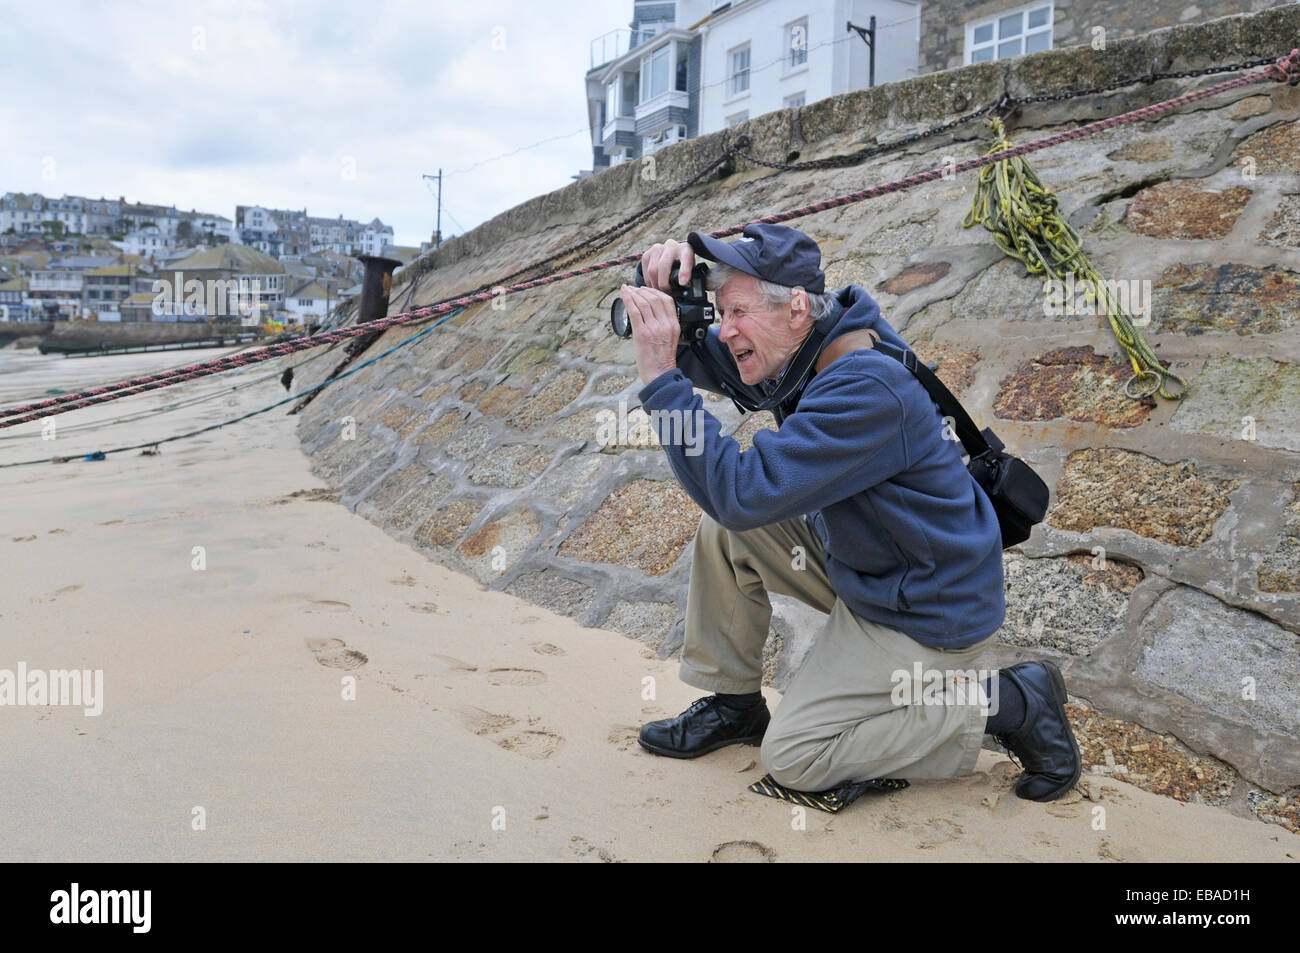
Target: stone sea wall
[{"x": 1166, "y": 579}]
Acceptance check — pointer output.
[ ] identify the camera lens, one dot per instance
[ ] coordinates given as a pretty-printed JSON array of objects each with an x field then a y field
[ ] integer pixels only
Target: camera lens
[{"x": 618, "y": 319}]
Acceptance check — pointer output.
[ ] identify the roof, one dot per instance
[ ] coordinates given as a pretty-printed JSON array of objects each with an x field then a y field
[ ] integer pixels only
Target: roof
[
  {"x": 311, "y": 289},
  {"x": 108, "y": 270},
  {"x": 240, "y": 259},
  {"x": 14, "y": 284},
  {"x": 84, "y": 262}
]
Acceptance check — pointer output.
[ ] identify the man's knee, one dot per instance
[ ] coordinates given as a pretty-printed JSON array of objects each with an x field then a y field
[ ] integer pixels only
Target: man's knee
[{"x": 792, "y": 762}]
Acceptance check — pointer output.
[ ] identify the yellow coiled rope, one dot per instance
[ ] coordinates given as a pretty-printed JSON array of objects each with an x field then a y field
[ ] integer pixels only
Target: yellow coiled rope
[{"x": 1024, "y": 219}]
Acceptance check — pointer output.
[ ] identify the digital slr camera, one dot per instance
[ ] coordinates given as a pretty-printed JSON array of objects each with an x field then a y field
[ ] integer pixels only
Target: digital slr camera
[{"x": 694, "y": 311}]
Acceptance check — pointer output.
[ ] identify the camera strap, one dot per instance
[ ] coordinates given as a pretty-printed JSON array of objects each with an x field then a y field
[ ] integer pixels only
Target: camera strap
[
  {"x": 791, "y": 383},
  {"x": 975, "y": 442}
]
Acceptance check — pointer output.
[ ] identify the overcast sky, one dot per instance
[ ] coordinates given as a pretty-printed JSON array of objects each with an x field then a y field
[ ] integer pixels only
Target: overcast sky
[{"x": 336, "y": 107}]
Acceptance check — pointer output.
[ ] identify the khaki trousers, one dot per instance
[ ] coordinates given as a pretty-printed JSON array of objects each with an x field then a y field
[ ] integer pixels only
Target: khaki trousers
[{"x": 845, "y": 715}]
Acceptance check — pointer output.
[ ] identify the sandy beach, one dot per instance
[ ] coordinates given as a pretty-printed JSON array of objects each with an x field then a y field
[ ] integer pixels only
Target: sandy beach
[{"x": 482, "y": 727}]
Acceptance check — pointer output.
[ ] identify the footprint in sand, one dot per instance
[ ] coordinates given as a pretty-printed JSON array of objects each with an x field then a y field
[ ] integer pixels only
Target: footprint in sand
[
  {"x": 58, "y": 592},
  {"x": 889, "y": 823},
  {"x": 535, "y": 743},
  {"x": 484, "y": 722},
  {"x": 940, "y": 830},
  {"x": 321, "y": 544},
  {"x": 53, "y": 531},
  {"x": 452, "y": 665},
  {"x": 406, "y": 580},
  {"x": 623, "y": 737},
  {"x": 310, "y": 605},
  {"x": 584, "y": 848},
  {"x": 329, "y": 605},
  {"x": 23, "y": 539},
  {"x": 743, "y": 852},
  {"x": 334, "y": 653},
  {"x": 546, "y": 648},
  {"x": 515, "y": 676},
  {"x": 109, "y": 523},
  {"x": 1104, "y": 853},
  {"x": 431, "y": 608}
]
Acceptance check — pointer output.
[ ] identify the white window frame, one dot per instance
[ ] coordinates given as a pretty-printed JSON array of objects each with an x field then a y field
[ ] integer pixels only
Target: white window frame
[
  {"x": 795, "y": 59},
  {"x": 613, "y": 92},
  {"x": 647, "y": 72},
  {"x": 789, "y": 100},
  {"x": 997, "y": 40},
  {"x": 737, "y": 118},
  {"x": 734, "y": 90}
]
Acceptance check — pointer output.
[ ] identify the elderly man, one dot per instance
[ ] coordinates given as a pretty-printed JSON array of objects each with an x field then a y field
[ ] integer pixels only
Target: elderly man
[{"x": 859, "y": 505}]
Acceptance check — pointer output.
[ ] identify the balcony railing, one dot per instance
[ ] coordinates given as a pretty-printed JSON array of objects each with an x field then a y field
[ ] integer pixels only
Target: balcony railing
[{"x": 615, "y": 43}]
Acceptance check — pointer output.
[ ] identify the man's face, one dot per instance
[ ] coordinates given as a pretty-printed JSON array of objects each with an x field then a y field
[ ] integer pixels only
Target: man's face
[{"x": 761, "y": 339}]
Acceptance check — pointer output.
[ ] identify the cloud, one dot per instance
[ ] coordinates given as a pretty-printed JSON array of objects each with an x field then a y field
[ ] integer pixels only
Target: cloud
[{"x": 209, "y": 104}]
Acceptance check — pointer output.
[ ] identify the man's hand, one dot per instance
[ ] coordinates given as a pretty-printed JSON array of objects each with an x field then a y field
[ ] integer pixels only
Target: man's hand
[
  {"x": 657, "y": 264},
  {"x": 656, "y": 331}
]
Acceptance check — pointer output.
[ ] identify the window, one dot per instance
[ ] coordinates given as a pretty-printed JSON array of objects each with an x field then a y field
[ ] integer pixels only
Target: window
[
  {"x": 796, "y": 44},
  {"x": 627, "y": 107},
  {"x": 654, "y": 73},
  {"x": 739, "y": 76},
  {"x": 683, "y": 60},
  {"x": 1027, "y": 30},
  {"x": 737, "y": 118},
  {"x": 795, "y": 101}
]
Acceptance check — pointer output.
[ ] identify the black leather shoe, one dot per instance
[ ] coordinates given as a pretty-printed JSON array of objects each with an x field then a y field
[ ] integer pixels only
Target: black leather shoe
[
  {"x": 705, "y": 726},
  {"x": 1044, "y": 745}
]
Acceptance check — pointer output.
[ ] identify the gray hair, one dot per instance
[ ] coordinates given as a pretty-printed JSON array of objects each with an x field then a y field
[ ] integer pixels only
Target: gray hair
[{"x": 773, "y": 295}]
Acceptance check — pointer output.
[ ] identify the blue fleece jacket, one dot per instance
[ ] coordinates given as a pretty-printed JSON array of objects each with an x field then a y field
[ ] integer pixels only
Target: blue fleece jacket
[{"x": 911, "y": 540}]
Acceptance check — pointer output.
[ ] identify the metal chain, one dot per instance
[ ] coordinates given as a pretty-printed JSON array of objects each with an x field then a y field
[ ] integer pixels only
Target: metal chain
[{"x": 1005, "y": 103}]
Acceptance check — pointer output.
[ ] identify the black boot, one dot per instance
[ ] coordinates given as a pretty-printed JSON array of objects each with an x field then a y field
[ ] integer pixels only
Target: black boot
[
  {"x": 706, "y": 726},
  {"x": 1044, "y": 745}
]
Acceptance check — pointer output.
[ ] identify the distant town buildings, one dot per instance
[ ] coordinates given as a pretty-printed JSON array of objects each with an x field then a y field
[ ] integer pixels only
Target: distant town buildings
[
  {"x": 287, "y": 233},
  {"x": 35, "y": 214},
  {"x": 75, "y": 258}
]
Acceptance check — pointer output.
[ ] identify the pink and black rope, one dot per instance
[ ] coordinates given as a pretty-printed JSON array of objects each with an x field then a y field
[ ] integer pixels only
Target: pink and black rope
[{"x": 1285, "y": 70}]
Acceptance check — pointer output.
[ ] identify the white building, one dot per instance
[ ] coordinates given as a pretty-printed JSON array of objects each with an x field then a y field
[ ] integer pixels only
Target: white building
[
  {"x": 147, "y": 242},
  {"x": 691, "y": 67},
  {"x": 308, "y": 302},
  {"x": 376, "y": 239},
  {"x": 763, "y": 55}
]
